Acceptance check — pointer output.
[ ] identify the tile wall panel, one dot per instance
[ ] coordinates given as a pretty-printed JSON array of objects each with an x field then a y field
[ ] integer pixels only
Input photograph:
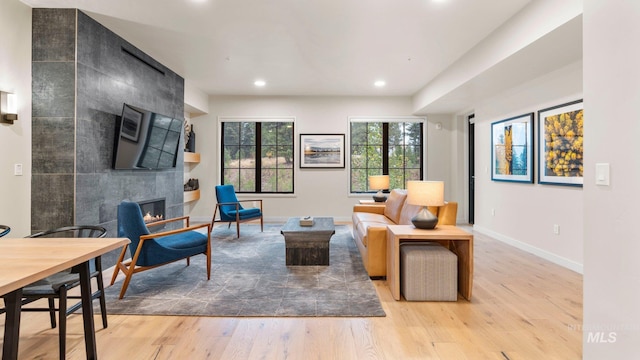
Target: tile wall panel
[
  {"x": 53, "y": 145},
  {"x": 53, "y": 34},
  {"x": 51, "y": 201},
  {"x": 103, "y": 77},
  {"x": 53, "y": 89}
]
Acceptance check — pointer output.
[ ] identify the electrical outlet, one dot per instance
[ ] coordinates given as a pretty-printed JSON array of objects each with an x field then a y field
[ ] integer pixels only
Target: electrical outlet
[
  {"x": 556, "y": 229},
  {"x": 493, "y": 212},
  {"x": 17, "y": 169}
]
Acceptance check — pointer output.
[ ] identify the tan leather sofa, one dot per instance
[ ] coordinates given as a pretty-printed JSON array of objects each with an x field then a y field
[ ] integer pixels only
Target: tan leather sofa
[{"x": 370, "y": 226}]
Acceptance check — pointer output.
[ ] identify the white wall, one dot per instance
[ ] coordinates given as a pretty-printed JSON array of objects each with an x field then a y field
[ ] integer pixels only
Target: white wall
[
  {"x": 533, "y": 22},
  {"x": 612, "y": 242},
  {"x": 318, "y": 192},
  {"x": 196, "y": 101},
  {"x": 525, "y": 213},
  {"x": 15, "y": 140}
]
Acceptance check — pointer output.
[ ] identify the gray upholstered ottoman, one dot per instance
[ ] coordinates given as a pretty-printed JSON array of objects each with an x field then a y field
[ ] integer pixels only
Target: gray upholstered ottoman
[{"x": 428, "y": 272}]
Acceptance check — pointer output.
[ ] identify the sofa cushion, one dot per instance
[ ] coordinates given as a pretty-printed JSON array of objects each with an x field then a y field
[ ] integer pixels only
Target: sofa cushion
[
  {"x": 366, "y": 227},
  {"x": 393, "y": 205},
  {"x": 408, "y": 212},
  {"x": 372, "y": 218}
]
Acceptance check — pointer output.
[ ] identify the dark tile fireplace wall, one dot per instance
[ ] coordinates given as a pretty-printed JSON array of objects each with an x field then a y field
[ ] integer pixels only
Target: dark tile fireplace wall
[{"x": 82, "y": 75}]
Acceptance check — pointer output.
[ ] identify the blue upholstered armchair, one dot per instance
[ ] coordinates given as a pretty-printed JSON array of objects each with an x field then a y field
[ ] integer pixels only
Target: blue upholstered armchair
[
  {"x": 231, "y": 209},
  {"x": 149, "y": 250}
]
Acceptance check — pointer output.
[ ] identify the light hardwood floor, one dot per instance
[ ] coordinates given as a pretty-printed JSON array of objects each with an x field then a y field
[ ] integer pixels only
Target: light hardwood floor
[{"x": 523, "y": 307}]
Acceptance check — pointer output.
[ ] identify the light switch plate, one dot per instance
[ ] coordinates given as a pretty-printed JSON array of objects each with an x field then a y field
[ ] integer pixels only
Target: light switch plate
[{"x": 602, "y": 174}]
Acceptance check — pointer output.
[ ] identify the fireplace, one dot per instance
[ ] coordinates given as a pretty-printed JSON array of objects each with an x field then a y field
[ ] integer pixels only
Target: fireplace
[{"x": 152, "y": 210}]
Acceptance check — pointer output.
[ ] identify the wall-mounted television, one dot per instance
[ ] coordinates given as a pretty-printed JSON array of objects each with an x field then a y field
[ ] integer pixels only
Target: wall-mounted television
[{"x": 145, "y": 140}]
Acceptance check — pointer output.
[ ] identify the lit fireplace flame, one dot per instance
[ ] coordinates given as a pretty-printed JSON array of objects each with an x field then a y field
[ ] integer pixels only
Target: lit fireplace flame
[{"x": 148, "y": 218}]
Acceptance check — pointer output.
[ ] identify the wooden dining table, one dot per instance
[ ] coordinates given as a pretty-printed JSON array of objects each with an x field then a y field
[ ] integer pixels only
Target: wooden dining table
[{"x": 26, "y": 260}]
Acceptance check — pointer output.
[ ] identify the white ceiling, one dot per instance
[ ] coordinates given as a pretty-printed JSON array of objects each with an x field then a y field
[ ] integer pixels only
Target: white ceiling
[{"x": 321, "y": 47}]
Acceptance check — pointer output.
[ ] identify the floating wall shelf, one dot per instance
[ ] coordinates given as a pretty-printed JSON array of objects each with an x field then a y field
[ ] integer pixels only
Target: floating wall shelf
[
  {"x": 191, "y": 195},
  {"x": 190, "y": 157}
]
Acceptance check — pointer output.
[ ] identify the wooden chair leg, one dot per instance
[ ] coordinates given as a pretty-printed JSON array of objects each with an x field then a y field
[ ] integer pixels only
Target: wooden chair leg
[
  {"x": 118, "y": 264},
  {"x": 208, "y": 255},
  {"x": 213, "y": 220},
  {"x": 127, "y": 279},
  {"x": 238, "y": 228},
  {"x": 62, "y": 328}
]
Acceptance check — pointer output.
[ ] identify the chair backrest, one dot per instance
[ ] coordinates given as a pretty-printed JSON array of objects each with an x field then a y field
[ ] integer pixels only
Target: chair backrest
[
  {"x": 131, "y": 224},
  {"x": 4, "y": 230},
  {"x": 226, "y": 194},
  {"x": 75, "y": 231}
]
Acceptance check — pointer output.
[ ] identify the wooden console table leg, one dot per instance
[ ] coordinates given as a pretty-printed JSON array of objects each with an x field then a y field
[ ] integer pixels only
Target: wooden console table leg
[
  {"x": 464, "y": 250},
  {"x": 393, "y": 265}
]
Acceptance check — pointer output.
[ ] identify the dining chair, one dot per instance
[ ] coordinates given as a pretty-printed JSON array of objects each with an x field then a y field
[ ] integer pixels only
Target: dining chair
[
  {"x": 149, "y": 250},
  {"x": 4, "y": 230},
  {"x": 231, "y": 209},
  {"x": 57, "y": 286}
]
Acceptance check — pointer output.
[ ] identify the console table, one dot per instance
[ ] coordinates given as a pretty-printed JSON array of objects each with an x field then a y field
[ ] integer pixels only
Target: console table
[
  {"x": 24, "y": 261},
  {"x": 453, "y": 238}
]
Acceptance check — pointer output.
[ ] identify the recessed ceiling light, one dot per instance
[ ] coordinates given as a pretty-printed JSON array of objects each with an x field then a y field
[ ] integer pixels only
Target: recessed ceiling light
[
  {"x": 379, "y": 83},
  {"x": 259, "y": 83}
]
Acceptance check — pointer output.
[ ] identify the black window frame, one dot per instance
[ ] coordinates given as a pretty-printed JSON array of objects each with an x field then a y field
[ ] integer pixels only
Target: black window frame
[
  {"x": 257, "y": 150},
  {"x": 385, "y": 149}
]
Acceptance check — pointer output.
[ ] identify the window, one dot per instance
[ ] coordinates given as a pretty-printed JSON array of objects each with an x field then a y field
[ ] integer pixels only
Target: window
[
  {"x": 385, "y": 146},
  {"x": 258, "y": 155}
]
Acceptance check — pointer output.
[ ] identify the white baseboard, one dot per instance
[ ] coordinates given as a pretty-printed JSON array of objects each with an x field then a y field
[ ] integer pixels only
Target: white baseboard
[
  {"x": 200, "y": 219},
  {"x": 559, "y": 260},
  {"x": 282, "y": 220},
  {"x": 268, "y": 219}
]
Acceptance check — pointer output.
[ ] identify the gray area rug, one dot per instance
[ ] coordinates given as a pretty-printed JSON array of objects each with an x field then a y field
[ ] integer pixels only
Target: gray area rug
[{"x": 249, "y": 278}]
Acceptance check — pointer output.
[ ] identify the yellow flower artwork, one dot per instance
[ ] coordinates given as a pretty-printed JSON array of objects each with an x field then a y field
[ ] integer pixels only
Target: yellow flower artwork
[{"x": 561, "y": 144}]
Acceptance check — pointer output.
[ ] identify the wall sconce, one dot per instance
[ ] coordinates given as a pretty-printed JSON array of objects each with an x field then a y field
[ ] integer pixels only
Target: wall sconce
[{"x": 8, "y": 107}]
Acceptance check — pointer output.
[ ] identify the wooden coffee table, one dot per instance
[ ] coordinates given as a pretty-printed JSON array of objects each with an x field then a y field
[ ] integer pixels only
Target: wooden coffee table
[{"x": 308, "y": 245}]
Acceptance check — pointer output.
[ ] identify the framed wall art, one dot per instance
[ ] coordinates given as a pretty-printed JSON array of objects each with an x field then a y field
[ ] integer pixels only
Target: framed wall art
[
  {"x": 560, "y": 145},
  {"x": 322, "y": 151},
  {"x": 512, "y": 149},
  {"x": 131, "y": 123}
]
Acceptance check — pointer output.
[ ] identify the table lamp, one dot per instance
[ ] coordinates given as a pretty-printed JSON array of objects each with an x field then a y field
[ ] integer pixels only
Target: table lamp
[
  {"x": 425, "y": 193},
  {"x": 379, "y": 182}
]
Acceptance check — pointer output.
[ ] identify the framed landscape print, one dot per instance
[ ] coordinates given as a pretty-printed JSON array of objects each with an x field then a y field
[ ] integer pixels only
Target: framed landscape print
[
  {"x": 560, "y": 146},
  {"x": 512, "y": 149},
  {"x": 322, "y": 150}
]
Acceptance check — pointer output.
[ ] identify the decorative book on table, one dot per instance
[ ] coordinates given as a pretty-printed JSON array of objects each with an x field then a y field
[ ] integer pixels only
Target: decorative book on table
[{"x": 306, "y": 221}]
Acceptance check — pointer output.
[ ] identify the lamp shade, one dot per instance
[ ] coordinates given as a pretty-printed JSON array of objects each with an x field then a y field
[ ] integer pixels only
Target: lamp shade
[
  {"x": 425, "y": 193},
  {"x": 379, "y": 182}
]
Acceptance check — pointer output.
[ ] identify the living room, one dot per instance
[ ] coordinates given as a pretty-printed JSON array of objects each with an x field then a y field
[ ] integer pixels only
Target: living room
[{"x": 522, "y": 215}]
